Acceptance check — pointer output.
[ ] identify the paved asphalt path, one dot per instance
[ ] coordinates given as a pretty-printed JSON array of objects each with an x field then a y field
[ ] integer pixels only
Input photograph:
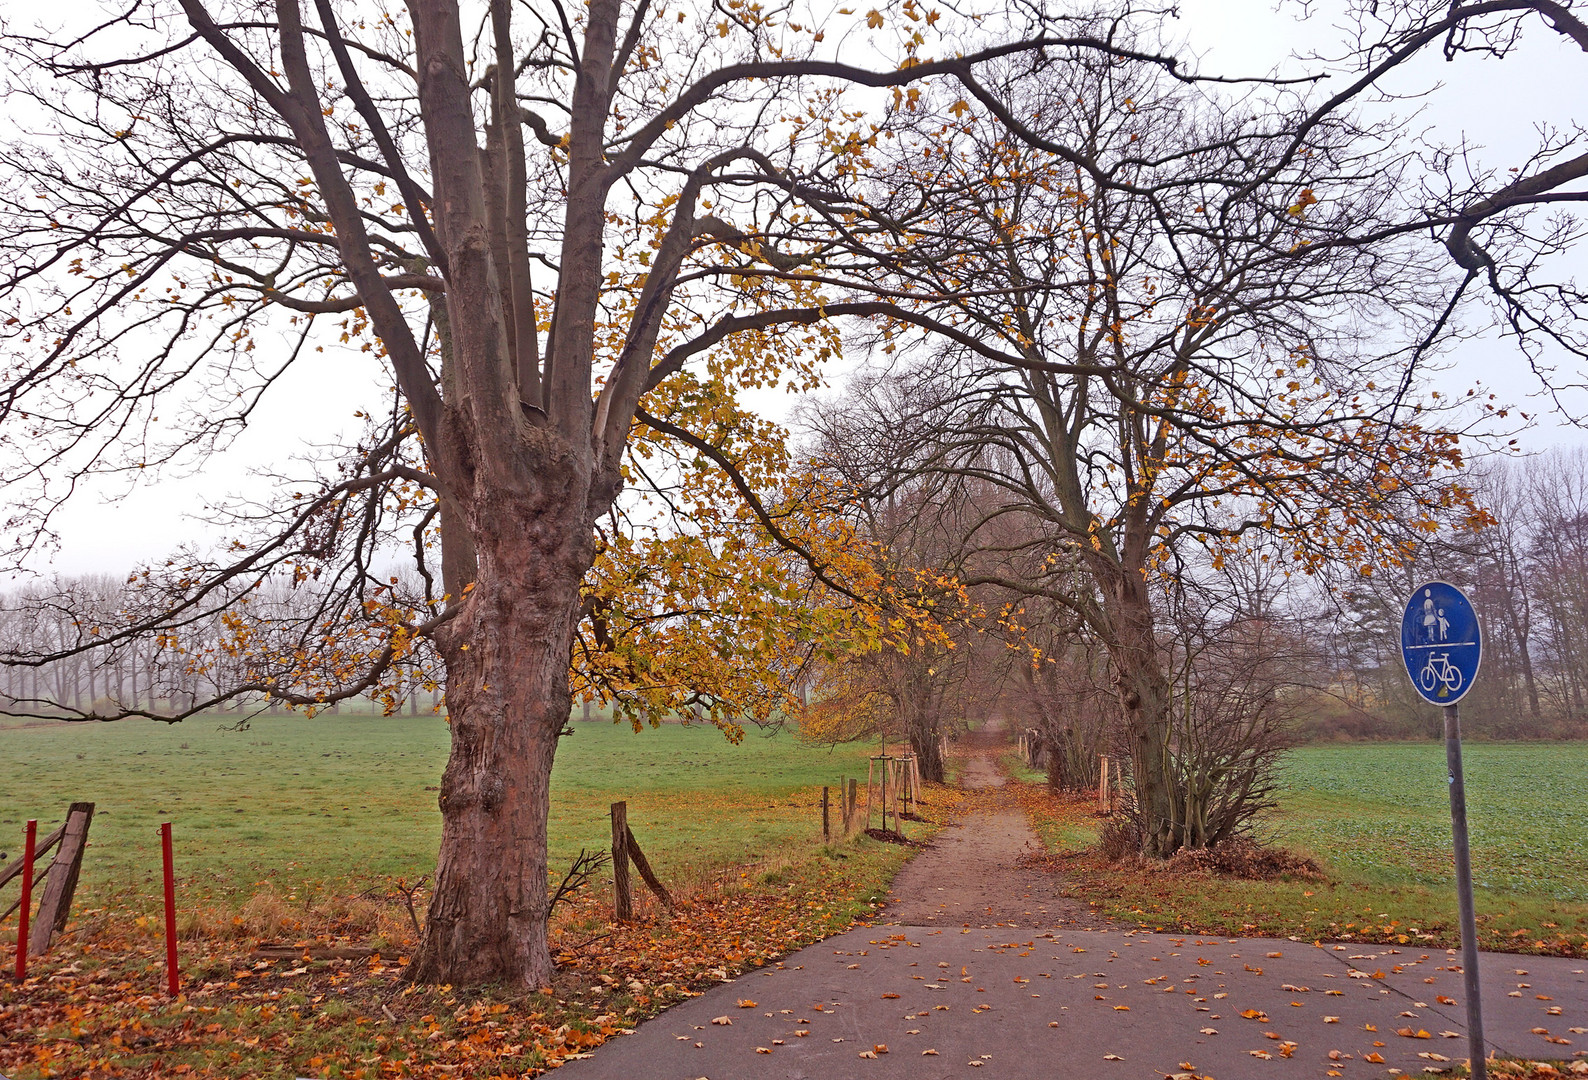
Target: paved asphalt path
[{"x": 985, "y": 971}]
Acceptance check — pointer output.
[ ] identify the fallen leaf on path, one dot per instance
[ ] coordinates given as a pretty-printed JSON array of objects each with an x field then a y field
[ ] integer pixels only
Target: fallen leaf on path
[
  {"x": 1331, "y": 1019},
  {"x": 1450, "y": 1034},
  {"x": 1432, "y": 1057},
  {"x": 887, "y": 997},
  {"x": 1375, "y": 1057},
  {"x": 1408, "y": 1033},
  {"x": 1210, "y": 1031},
  {"x": 721, "y": 1021},
  {"x": 1106, "y": 1057},
  {"x": 929, "y": 1053},
  {"x": 1264, "y": 1054},
  {"x": 1445, "y": 1000},
  {"x": 746, "y": 1003},
  {"x": 871, "y": 1054},
  {"x": 762, "y": 1050},
  {"x": 881, "y": 1048}
]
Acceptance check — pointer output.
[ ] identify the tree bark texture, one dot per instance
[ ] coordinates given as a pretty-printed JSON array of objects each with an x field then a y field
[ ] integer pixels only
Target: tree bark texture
[{"x": 507, "y": 658}]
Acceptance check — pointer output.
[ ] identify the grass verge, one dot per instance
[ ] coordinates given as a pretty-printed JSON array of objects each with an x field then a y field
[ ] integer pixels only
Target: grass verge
[{"x": 1392, "y": 889}]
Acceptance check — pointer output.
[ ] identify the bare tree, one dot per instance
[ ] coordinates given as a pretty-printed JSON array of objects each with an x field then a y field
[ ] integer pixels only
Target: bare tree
[{"x": 1147, "y": 351}]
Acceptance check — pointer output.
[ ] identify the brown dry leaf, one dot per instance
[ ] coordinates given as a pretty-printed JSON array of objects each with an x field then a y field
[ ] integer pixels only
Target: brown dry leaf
[
  {"x": 975, "y": 1064},
  {"x": 1375, "y": 1057},
  {"x": 721, "y": 1021},
  {"x": 1112, "y": 1057},
  {"x": 1428, "y": 1056},
  {"x": 1122, "y": 1008},
  {"x": 1445, "y": 1000},
  {"x": 802, "y": 1034},
  {"x": 887, "y": 997},
  {"x": 871, "y": 1054},
  {"x": 746, "y": 1003},
  {"x": 1553, "y": 1010},
  {"x": 1210, "y": 1031},
  {"x": 1331, "y": 1019},
  {"x": 881, "y": 1048},
  {"x": 762, "y": 1050},
  {"x": 1264, "y": 1054},
  {"x": 1255, "y": 1014},
  {"x": 1335, "y": 1055},
  {"x": 929, "y": 1053},
  {"x": 1450, "y": 1034},
  {"x": 1287, "y": 1049}
]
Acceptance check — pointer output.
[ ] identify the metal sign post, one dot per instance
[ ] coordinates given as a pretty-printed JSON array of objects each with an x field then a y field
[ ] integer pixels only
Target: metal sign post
[{"x": 1442, "y": 647}]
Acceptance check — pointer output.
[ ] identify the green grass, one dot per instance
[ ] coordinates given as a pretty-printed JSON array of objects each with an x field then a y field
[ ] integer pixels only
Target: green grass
[
  {"x": 299, "y": 828},
  {"x": 1382, "y": 813},
  {"x": 317, "y": 803},
  {"x": 1377, "y": 818}
]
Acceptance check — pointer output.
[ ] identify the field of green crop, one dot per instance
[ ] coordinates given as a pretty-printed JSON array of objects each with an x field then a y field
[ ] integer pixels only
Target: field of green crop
[
  {"x": 295, "y": 802},
  {"x": 1382, "y": 812}
]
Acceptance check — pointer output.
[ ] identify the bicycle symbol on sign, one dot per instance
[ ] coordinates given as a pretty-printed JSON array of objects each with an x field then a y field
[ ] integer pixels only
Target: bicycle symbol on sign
[{"x": 1439, "y": 670}]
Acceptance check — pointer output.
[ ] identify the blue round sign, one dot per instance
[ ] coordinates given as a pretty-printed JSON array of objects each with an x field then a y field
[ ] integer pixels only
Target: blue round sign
[{"x": 1441, "y": 642}]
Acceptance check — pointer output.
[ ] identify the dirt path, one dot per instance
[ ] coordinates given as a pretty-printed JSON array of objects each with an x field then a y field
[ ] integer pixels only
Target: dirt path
[{"x": 970, "y": 875}]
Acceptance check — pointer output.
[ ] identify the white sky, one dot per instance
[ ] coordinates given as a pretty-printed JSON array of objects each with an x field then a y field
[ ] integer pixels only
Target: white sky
[{"x": 1496, "y": 104}]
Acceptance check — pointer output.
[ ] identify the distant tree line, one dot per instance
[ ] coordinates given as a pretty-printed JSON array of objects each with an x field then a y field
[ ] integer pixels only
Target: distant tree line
[{"x": 59, "y": 628}]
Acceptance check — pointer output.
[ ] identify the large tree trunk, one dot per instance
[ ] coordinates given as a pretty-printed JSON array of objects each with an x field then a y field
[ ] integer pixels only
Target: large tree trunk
[
  {"x": 1144, "y": 695},
  {"x": 507, "y": 657}
]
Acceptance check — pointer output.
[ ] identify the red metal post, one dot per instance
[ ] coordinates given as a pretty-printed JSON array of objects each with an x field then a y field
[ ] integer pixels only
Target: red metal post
[
  {"x": 171, "y": 984},
  {"x": 27, "y": 899}
]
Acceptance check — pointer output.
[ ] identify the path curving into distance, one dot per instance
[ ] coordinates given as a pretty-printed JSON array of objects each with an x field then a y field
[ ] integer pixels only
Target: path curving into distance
[{"x": 978, "y": 968}]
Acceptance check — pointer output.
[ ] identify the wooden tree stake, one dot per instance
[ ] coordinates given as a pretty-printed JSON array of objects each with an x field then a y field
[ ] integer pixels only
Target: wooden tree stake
[
  {"x": 827, "y": 829},
  {"x": 870, "y": 766},
  {"x": 622, "y": 891}
]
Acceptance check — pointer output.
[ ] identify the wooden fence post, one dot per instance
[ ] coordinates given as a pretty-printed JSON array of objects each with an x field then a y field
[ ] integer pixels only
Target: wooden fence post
[
  {"x": 854, "y": 803},
  {"x": 1102, "y": 786},
  {"x": 56, "y": 905},
  {"x": 827, "y": 829},
  {"x": 622, "y": 893},
  {"x": 643, "y": 865}
]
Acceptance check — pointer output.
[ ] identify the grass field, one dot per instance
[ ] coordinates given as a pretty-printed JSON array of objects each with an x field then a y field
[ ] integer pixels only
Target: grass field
[
  {"x": 317, "y": 803},
  {"x": 302, "y": 830},
  {"x": 1377, "y": 818}
]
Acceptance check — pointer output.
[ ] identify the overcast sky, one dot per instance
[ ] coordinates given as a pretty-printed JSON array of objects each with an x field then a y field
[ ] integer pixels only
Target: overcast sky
[{"x": 1496, "y": 104}]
